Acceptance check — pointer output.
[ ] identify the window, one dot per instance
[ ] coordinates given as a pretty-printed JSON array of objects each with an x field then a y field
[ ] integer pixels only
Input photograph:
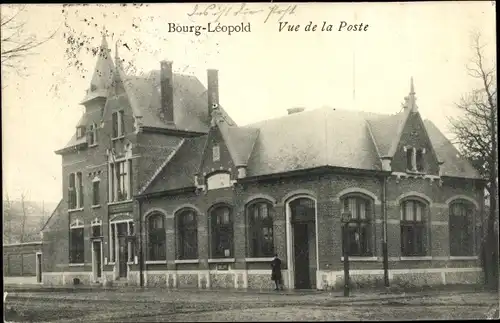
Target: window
[
  {"x": 409, "y": 158},
  {"x": 221, "y": 232},
  {"x": 71, "y": 192},
  {"x": 215, "y": 153},
  {"x": 95, "y": 193},
  {"x": 219, "y": 180},
  {"x": 96, "y": 230},
  {"x": 413, "y": 228},
  {"x": 120, "y": 182},
  {"x": 420, "y": 160},
  {"x": 415, "y": 159},
  {"x": 260, "y": 226},
  {"x": 461, "y": 228},
  {"x": 112, "y": 245},
  {"x": 118, "y": 124},
  {"x": 360, "y": 226},
  {"x": 76, "y": 252},
  {"x": 79, "y": 179},
  {"x": 92, "y": 134},
  {"x": 156, "y": 237},
  {"x": 187, "y": 237},
  {"x": 80, "y": 131}
]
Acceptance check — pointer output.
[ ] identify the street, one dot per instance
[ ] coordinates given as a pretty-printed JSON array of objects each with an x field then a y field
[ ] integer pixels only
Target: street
[{"x": 161, "y": 305}]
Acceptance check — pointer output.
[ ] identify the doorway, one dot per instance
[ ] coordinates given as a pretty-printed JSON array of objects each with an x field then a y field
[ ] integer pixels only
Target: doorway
[
  {"x": 303, "y": 236},
  {"x": 122, "y": 232},
  {"x": 97, "y": 259}
]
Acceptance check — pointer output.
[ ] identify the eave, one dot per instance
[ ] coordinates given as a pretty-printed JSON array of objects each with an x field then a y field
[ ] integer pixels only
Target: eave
[
  {"x": 169, "y": 131},
  {"x": 69, "y": 149},
  {"x": 177, "y": 191},
  {"x": 315, "y": 171}
]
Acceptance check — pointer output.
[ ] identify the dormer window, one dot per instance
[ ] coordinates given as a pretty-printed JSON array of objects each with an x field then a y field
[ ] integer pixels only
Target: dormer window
[
  {"x": 118, "y": 124},
  {"x": 215, "y": 153},
  {"x": 93, "y": 134},
  {"x": 415, "y": 159},
  {"x": 80, "y": 131}
]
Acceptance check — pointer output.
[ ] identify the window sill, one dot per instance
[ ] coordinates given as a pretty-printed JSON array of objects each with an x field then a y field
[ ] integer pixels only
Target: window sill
[
  {"x": 120, "y": 202},
  {"x": 187, "y": 261},
  {"x": 76, "y": 210},
  {"x": 220, "y": 260},
  {"x": 118, "y": 138},
  {"x": 416, "y": 258},
  {"x": 130, "y": 263},
  {"x": 93, "y": 145},
  {"x": 357, "y": 258},
  {"x": 77, "y": 265},
  {"x": 464, "y": 257},
  {"x": 259, "y": 259},
  {"x": 414, "y": 172},
  {"x": 155, "y": 262},
  {"x": 96, "y": 206}
]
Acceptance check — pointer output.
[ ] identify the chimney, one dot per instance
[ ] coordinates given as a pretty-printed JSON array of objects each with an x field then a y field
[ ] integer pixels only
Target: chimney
[
  {"x": 295, "y": 110},
  {"x": 167, "y": 92},
  {"x": 213, "y": 90}
]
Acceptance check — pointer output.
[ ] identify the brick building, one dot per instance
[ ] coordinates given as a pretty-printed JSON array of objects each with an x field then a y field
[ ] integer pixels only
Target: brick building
[{"x": 161, "y": 187}]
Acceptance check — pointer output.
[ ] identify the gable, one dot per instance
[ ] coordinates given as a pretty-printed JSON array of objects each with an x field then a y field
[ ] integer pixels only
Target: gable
[
  {"x": 54, "y": 221},
  {"x": 215, "y": 146},
  {"x": 414, "y": 135}
]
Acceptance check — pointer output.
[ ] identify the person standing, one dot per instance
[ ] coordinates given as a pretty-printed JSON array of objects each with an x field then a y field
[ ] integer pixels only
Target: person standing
[{"x": 276, "y": 272}]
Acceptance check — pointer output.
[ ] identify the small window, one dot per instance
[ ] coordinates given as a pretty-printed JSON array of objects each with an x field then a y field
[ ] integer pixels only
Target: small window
[
  {"x": 95, "y": 193},
  {"x": 420, "y": 160},
  {"x": 409, "y": 158},
  {"x": 118, "y": 122},
  {"x": 216, "y": 153},
  {"x": 92, "y": 135},
  {"x": 96, "y": 231},
  {"x": 71, "y": 192},
  {"x": 80, "y": 131}
]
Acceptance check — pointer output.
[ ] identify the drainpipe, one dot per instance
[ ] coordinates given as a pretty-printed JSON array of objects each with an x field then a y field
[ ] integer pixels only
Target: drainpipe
[
  {"x": 384, "y": 238},
  {"x": 141, "y": 258}
]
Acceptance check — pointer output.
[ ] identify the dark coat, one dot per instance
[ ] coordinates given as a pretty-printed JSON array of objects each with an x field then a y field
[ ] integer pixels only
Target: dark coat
[{"x": 276, "y": 269}]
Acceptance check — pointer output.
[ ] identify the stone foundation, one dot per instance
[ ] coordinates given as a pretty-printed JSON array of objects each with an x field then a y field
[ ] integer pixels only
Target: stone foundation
[
  {"x": 261, "y": 280},
  {"x": 187, "y": 280}
]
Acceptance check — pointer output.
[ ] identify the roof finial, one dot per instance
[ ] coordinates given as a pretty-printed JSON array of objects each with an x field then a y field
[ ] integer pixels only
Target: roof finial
[{"x": 411, "y": 98}]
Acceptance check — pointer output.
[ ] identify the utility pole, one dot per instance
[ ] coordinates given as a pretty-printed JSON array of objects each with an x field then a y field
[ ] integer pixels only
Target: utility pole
[
  {"x": 384, "y": 241},
  {"x": 346, "y": 217}
]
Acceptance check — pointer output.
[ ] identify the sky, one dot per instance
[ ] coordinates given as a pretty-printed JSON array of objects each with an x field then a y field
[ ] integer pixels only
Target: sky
[{"x": 262, "y": 72}]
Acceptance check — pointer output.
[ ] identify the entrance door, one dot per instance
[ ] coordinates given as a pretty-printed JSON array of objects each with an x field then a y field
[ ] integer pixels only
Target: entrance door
[
  {"x": 122, "y": 249},
  {"x": 97, "y": 259},
  {"x": 39, "y": 267},
  {"x": 301, "y": 256}
]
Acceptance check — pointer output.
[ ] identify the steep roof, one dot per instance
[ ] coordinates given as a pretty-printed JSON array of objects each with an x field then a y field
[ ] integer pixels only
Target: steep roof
[{"x": 454, "y": 164}]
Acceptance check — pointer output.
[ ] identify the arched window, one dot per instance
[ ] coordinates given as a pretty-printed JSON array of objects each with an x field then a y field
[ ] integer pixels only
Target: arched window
[
  {"x": 221, "y": 231},
  {"x": 360, "y": 225},
  {"x": 461, "y": 228},
  {"x": 413, "y": 228},
  {"x": 187, "y": 235},
  {"x": 260, "y": 229},
  {"x": 156, "y": 237}
]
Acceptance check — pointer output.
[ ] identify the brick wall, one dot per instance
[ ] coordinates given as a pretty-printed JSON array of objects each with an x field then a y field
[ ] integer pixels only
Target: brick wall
[{"x": 20, "y": 259}]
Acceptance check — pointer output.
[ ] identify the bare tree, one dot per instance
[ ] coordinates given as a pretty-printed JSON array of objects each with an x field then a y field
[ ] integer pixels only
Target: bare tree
[
  {"x": 7, "y": 219},
  {"x": 476, "y": 135},
  {"x": 16, "y": 43},
  {"x": 23, "y": 222}
]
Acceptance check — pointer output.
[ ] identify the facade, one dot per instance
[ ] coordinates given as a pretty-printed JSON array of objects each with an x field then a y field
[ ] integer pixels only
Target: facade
[{"x": 162, "y": 188}]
